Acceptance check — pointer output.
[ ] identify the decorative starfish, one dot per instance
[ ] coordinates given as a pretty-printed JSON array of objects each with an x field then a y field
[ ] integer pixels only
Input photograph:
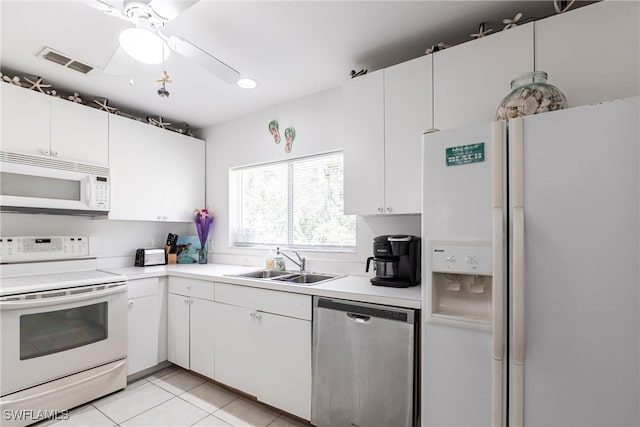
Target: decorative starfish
[
  {"x": 510, "y": 23},
  {"x": 436, "y": 48},
  {"x": 37, "y": 85},
  {"x": 103, "y": 106},
  {"x": 76, "y": 98},
  {"x": 481, "y": 32},
  {"x": 14, "y": 81},
  {"x": 563, "y": 5},
  {"x": 158, "y": 122}
]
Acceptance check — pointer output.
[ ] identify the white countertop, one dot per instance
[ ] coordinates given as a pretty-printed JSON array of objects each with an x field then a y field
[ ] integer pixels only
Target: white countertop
[{"x": 354, "y": 288}]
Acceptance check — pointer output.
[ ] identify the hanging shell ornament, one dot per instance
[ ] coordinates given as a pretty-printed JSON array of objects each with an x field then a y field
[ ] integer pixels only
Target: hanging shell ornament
[
  {"x": 511, "y": 23},
  {"x": 162, "y": 91}
]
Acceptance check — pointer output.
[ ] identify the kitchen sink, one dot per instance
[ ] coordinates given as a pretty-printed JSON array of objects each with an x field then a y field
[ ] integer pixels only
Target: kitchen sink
[
  {"x": 292, "y": 277},
  {"x": 305, "y": 278},
  {"x": 262, "y": 274}
]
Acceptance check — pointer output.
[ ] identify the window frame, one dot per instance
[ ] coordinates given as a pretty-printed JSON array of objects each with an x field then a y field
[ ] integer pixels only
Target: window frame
[{"x": 235, "y": 202}]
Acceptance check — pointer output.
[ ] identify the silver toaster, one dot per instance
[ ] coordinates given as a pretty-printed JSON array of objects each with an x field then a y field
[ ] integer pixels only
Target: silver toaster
[{"x": 146, "y": 257}]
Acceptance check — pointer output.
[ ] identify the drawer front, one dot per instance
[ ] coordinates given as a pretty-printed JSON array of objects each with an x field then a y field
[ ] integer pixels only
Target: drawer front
[
  {"x": 143, "y": 287},
  {"x": 277, "y": 302},
  {"x": 191, "y": 287}
]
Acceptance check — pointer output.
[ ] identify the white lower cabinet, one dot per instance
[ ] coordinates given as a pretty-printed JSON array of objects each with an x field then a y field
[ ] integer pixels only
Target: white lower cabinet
[
  {"x": 263, "y": 345},
  {"x": 191, "y": 325},
  {"x": 147, "y": 323}
]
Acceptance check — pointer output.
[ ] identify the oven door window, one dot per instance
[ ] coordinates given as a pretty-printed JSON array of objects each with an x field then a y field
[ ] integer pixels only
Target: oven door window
[{"x": 55, "y": 331}]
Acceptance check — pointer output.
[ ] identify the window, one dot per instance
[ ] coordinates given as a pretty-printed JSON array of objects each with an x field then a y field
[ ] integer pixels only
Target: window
[{"x": 296, "y": 203}]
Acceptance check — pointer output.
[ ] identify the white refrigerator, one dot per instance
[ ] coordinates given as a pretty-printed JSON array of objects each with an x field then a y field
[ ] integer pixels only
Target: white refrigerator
[{"x": 531, "y": 278}]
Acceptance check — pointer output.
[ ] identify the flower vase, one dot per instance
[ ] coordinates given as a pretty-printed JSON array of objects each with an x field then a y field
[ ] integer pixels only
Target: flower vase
[{"x": 202, "y": 255}]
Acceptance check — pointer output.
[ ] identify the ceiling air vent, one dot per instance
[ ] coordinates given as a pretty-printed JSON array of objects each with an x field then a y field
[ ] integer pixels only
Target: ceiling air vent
[{"x": 64, "y": 60}]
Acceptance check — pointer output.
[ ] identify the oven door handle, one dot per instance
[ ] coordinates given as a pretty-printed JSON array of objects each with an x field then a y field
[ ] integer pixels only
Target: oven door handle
[{"x": 44, "y": 302}]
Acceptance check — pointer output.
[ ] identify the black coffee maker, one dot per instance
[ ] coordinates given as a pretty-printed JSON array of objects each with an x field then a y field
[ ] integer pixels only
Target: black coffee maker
[{"x": 396, "y": 261}]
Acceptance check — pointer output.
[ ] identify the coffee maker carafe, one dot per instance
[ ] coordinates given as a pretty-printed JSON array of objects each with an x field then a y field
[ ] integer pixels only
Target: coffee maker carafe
[{"x": 396, "y": 261}]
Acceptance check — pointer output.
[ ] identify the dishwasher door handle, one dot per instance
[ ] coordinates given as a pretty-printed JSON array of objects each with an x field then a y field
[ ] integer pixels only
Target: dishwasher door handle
[{"x": 360, "y": 318}]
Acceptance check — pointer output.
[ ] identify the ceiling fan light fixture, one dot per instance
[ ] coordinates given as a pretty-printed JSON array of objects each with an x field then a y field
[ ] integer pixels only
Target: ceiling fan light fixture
[
  {"x": 144, "y": 45},
  {"x": 247, "y": 83}
]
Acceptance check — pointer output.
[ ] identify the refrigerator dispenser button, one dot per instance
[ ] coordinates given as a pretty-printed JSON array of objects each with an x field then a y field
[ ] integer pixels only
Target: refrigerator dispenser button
[{"x": 451, "y": 259}]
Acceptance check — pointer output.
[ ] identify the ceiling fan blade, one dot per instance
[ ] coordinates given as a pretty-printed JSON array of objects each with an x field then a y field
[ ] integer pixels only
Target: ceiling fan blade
[
  {"x": 111, "y": 8},
  {"x": 169, "y": 9},
  {"x": 205, "y": 60},
  {"x": 120, "y": 63}
]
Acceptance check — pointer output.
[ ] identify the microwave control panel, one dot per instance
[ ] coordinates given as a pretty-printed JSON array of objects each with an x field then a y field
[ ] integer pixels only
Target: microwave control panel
[
  {"x": 101, "y": 192},
  {"x": 16, "y": 249}
]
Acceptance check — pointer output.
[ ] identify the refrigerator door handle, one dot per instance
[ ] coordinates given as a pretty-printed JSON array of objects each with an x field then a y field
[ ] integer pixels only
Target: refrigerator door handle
[
  {"x": 516, "y": 138},
  {"x": 497, "y": 172}
]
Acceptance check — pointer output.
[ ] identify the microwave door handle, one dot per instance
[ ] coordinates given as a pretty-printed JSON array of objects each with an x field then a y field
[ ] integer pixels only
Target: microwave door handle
[{"x": 44, "y": 302}]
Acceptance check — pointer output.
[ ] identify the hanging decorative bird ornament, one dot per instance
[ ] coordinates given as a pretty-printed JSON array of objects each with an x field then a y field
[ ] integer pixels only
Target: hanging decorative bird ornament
[
  {"x": 481, "y": 32},
  {"x": 511, "y": 23},
  {"x": 163, "y": 92}
]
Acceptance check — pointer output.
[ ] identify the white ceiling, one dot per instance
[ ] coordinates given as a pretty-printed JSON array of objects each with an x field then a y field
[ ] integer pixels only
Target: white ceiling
[{"x": 292, "y": 48}]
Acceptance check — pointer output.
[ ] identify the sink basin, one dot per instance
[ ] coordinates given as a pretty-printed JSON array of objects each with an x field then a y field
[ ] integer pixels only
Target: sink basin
[
  {"x": 305, "y": 278},
  {"x": 262, "y": 274},
  {"x": 298, "y": 278}
]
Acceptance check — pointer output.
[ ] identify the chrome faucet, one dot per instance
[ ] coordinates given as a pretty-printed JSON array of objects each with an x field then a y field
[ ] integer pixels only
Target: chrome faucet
[{"x": 300, "y": 264}]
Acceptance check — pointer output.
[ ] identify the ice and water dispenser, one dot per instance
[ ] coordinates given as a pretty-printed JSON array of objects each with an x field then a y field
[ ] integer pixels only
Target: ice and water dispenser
[{"x": 460, "y": 283}]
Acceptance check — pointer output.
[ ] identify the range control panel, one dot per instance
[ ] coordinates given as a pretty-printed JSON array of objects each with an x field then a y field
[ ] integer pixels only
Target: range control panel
[
  {"x": 41, "y": 248},
  {"x": 460, "y": 257}
]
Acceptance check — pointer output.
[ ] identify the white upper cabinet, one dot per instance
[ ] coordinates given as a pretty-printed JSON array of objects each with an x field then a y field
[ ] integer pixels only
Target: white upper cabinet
[
  {"x": 407, "y": 113},
  {"x": 385, "y": 114},
  {"x": 26, "y": 120},
  {"x": 79, "y": 133},
  {"x": 592, "y": 53},
  {"x": 156, "y": 174},
  {"x": 38, "y": 124},
  {"x": 363, "y": 140},
  {"x": 470, "y": 79}
]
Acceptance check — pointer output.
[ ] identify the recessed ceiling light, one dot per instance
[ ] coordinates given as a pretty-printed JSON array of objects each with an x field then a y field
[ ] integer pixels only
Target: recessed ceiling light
[
  {"x": 143, "y": 45},
  {"x": 247, "y": 83}
]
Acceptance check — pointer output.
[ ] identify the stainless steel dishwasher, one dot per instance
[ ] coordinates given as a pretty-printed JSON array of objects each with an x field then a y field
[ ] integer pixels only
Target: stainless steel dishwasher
[{"x": 364, "y": 365}]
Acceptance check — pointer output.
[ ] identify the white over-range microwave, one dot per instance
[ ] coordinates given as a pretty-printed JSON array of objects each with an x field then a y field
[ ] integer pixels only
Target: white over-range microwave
[{"x": 32, "y": 184}]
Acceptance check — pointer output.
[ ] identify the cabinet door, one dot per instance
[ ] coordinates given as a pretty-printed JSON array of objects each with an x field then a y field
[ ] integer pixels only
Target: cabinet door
[
  {"x": 470, "y": 79},
  {"x": 143, "y": 324},
  {"x": 363, "y": 140},
  {"x": 183, "y": 176},
  {"x": 79, "y": 133},
  {"x": 202, "y": 336},
  {"x": 26, "y": 120},
  {"x": 236, "y": 353},
  {"x": 178, "y": 330},
  {"x": 407, "y": 113},
  {"x": 592, "y": 53},
  {"x": 136, "y": 170},
  {"x": 284, "y": 360}
]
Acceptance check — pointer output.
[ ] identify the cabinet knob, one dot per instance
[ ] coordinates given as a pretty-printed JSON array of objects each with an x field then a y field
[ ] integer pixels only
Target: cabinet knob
[
  {"x": 54, "y": 153},
  {"x": 388, "y": 209},
  {"x": 130, "y": 303},
  {"x": 380, "y": 209},
  {"x": 258, "y": 316},
  {"x": 45, "y": 152},
  {"x": 253, "y": 314},
  {"x": 187, "y": 301},
  {"x": 165, "y": 218},
  {"x": 188, "y": 286}
]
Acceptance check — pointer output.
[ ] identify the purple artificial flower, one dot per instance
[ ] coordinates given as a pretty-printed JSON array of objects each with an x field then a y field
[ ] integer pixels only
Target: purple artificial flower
[{"x": 203, "y": 221}]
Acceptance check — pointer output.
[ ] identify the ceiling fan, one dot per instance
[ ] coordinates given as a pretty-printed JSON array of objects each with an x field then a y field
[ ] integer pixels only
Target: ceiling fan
[{"x": 147, "y": 42}]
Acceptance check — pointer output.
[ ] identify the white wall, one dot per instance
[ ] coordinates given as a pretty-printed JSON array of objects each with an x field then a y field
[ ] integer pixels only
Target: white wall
[
  {"x": 115, "y": 241},
  {"x": 318, "y": 123}
]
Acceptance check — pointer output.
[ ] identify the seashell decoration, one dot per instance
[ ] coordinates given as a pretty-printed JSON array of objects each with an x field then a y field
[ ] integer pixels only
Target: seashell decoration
[{"x": 530, "y": 94}]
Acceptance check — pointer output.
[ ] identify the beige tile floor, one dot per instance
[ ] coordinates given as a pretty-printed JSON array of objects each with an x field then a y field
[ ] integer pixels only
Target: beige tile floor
[{"x": 174, "y": 397}]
